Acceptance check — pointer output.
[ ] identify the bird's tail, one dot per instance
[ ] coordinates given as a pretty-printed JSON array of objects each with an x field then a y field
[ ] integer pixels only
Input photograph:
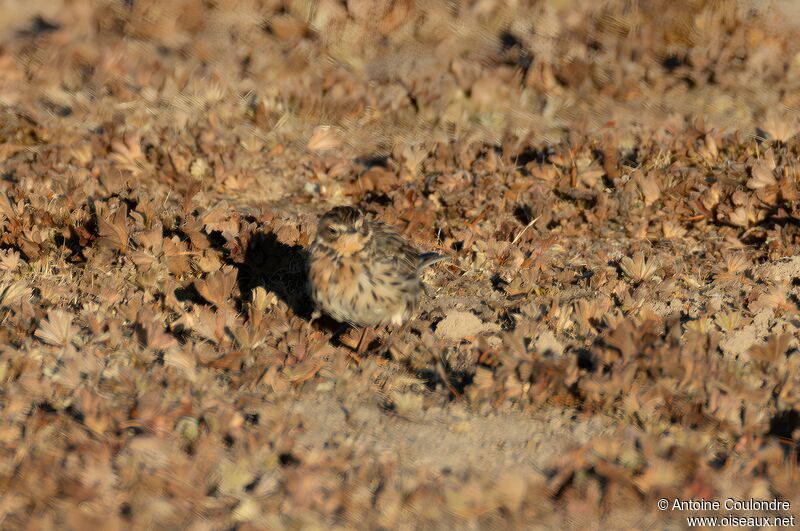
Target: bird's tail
[{"x": 426, "y": 259}]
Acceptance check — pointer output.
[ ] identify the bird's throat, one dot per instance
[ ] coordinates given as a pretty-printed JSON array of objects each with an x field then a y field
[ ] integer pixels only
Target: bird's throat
[{"x": 349, "y": 244}]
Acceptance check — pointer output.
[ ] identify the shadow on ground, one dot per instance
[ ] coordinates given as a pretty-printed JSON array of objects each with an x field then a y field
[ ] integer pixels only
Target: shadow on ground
[{"x": 281, "y": 269}]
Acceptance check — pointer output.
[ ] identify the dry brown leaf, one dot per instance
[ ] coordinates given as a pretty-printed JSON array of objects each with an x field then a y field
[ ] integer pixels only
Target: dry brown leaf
[
  {"x": 761, "y": 176},
  {"x": 218, "y": 286},
  {"x": 776, "y": 346},
  {"x": 638, "y": 268},
  {"x": 780, "y": 126},
  {"x": 127, "y": 152},
  {"x": 57, "y": 329},
  {"x": 323, "y": 138},
  {"x": 114, "y": 232},
  {"x": 648, "y": 184}
]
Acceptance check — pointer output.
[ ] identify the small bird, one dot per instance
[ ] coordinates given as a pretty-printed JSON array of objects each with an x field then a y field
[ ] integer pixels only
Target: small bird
[{"x": 363, "y": 273}]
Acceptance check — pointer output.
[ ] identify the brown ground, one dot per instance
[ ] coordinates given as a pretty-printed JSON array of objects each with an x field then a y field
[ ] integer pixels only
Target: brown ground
[{"x": 616, "y": 185}]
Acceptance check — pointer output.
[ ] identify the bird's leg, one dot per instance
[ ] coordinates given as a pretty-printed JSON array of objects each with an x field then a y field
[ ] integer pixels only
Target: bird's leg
[
  {"x": 359, "y": 348},
  {"x": 389, "y": 342},
  {"x": 362, "y": 345}
]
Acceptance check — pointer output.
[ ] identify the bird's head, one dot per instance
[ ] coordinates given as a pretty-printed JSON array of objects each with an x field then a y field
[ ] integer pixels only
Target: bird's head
[{"x": 344, "y": 229}]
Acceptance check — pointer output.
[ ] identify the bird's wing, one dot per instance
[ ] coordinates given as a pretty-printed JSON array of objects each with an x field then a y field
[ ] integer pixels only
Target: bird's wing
[
  {"x": 397, "y": 250},
  {"x": 393, "y": 248}
]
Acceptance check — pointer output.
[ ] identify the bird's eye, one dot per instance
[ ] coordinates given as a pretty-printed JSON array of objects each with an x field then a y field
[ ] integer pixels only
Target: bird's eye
[{"x": 333, "y": 231}]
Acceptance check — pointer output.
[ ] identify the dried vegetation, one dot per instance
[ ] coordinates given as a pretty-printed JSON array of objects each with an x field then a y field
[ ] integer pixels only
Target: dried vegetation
[{"x": 616, "y": 183}]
